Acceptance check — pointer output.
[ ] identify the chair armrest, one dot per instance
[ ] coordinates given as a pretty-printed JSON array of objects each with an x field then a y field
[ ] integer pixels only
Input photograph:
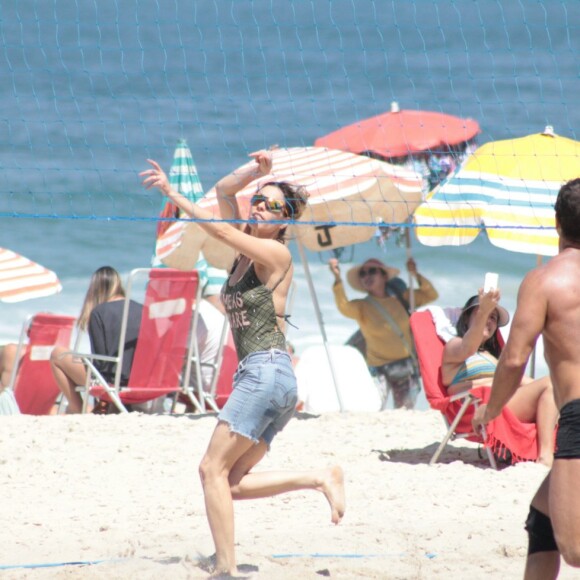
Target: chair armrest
[
  {"x": 90, "y": 356},
  {"x": 462, "y": 395}
]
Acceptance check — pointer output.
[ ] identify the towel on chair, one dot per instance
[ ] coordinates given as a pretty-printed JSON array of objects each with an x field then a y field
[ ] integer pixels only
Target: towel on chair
[
  {"x": 8, "y": 404},
  {"x": 444, "y": 320}
]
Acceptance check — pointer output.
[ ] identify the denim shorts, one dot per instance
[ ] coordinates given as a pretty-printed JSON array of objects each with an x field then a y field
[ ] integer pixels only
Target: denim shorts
[{"x": 264, "y": 396}]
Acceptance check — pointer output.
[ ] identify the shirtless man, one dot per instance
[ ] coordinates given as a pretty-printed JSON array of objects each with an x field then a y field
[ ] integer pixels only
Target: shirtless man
[{"x": 549, "y": 303}]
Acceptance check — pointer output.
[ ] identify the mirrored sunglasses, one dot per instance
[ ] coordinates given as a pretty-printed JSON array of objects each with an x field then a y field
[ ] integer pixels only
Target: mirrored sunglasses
[
  {"x": 273, "y": 205},
  {"x": 362, "y": 273}
]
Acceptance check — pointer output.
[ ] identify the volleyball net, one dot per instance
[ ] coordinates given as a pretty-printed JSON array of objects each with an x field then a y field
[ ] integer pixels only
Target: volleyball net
[{"x": 92, "y": 89}]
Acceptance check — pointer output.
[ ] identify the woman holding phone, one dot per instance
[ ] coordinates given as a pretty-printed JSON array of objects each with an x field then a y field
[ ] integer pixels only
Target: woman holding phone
[{"x": 470, "y": 360}]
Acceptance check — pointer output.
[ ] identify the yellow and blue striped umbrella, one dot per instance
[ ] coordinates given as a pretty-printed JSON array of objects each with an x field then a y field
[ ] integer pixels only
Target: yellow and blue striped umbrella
[{"x": 507, "y": 188}]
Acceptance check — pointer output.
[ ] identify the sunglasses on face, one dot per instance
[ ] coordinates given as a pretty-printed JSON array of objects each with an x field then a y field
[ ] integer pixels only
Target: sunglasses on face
[
  {"x": 273, "y": 205},
  {"x": 362, "y": 273}
]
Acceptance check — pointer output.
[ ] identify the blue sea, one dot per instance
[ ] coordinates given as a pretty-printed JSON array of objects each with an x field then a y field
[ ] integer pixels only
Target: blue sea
[{"x": 92, "y": 89}]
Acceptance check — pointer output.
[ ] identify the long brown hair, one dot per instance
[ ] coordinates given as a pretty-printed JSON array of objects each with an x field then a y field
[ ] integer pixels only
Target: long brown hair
[{"x": 105, "y": 284}]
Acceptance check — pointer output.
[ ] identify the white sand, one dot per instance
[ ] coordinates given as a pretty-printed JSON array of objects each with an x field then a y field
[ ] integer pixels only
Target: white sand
[{"x": 124, "y": 490}]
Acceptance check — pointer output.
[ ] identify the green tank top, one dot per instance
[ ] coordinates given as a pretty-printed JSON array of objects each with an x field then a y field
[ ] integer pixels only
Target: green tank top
[{"x": 250, "y": 310}]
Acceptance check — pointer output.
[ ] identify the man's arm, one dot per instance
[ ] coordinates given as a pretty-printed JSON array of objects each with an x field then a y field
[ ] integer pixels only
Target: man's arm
[{"x": 527, "y": 325}]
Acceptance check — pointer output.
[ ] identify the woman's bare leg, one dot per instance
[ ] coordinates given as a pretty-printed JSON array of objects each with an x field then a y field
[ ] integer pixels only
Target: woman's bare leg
[
  {"x": 7, "y": 361},
  {"x": 68, "y": 374},
  {"x": 222, "y": 484},
  {"x": 224, "y": 449},
  {"x": 534, "y": 402},
  {"x": 246, "y": 485}
]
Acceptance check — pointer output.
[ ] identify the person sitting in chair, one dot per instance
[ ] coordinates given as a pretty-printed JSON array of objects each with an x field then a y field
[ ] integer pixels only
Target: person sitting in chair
[
  {"x": 101, "y": 315},
  {"x": 470, "y": 360},
  {"x": 383, "y": 318}
]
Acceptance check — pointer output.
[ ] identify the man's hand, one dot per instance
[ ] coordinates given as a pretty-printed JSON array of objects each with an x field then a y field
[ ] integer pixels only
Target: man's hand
[{"x": 479, "y": 420}]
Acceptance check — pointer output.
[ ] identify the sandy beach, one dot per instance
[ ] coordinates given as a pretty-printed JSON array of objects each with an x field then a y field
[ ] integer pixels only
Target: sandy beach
[{"x": 123, "y": 492}]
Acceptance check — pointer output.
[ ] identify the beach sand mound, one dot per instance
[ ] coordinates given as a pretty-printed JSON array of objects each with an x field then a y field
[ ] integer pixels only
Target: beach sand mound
[{"x": 123, "y": 493}]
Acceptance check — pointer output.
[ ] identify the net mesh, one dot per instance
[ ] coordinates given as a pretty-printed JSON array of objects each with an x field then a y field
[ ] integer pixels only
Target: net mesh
[{"x": 92, "y": 89}]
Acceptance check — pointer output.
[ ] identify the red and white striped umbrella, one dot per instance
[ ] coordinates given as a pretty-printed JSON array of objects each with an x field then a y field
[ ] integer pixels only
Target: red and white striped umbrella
[
  {"x": 349, "y": 196},
  {"x": 21, "y": 278}
]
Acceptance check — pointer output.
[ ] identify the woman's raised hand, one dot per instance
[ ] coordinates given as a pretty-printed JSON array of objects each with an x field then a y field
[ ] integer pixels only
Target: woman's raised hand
[
  {"x": 263, "y": 159},
  {"x": 155, "y": 177},
  {"x": 488, "y": 301},
  {"x": 334, "y": 268}
]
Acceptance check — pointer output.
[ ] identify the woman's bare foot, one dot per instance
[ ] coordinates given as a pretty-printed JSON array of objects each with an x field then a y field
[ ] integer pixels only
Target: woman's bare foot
[{"x": 333, "y": 489}]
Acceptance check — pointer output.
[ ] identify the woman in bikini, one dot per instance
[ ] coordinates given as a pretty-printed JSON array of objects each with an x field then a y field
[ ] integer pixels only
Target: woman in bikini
[
  {"x": 264, "y": 395},
  {"x": 470, "y": 360}
]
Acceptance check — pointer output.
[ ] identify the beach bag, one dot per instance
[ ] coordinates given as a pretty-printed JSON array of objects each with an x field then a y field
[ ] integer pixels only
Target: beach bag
[{"x": 399, "y": 370}]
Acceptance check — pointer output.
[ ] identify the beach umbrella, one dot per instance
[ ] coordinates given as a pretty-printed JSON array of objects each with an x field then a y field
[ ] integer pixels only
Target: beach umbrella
[
  {"x": 507, "y": 188},
  {"x": 398, "y": 133},
  {"x": 172, "y": 238},
  {"x": 349, "y": 195},
  {"x": 21, "y": 278}
]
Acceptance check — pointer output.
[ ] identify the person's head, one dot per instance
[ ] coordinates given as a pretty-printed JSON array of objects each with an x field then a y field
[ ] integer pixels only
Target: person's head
[
  {"x": 371, "y": 276},
  {"x": 105, "y": 284},
  {"x": 498, "y": 318},
  {"x": 272, "y": 202},
  {"x": 567, "y": 208}
]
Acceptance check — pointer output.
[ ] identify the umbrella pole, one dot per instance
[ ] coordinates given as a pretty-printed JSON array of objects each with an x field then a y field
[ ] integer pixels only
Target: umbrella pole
[
  {"x": 409, "y": 256},
  {"x": 320, "y": 322}
]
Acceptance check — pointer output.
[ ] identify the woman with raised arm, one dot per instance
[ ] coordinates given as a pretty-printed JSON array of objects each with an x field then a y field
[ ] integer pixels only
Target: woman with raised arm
[{"x": 264, "y": 395}]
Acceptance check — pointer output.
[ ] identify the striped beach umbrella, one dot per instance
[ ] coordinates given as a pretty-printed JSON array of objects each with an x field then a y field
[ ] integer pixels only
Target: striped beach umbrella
[
  {"x": 184, "y": 178},
  {"x": 349, "y": 195},
  {"x": 21, "y": 278},
  {"x": 507, "y": 188}
]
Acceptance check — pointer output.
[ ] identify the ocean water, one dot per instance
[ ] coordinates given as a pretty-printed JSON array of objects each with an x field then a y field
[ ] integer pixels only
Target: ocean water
[{"x": 90, "y": 90}]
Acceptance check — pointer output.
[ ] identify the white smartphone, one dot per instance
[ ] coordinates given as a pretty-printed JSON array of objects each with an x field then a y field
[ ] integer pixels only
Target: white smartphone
[{"x": 491, "y": 280}]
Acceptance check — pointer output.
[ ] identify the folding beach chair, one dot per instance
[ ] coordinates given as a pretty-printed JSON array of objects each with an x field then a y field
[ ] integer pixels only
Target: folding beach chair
[
  {"x": 162, "y": 343},
  {"x": 223, "y": 368},
  {"x": 32, "y": 381},
  {"x": 225, "y": 376},
  {"x": 504, "y": 434}
]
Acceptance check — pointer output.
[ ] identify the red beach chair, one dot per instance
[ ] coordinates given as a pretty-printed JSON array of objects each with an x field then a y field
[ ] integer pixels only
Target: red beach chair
[
  {"x": 226, "y": 370},
  {"x": 162, "y": 344},
  {"x": 223, "y": 366},
  {"x": 504, "y": 434},
  {"x": 34, "y": 386}
]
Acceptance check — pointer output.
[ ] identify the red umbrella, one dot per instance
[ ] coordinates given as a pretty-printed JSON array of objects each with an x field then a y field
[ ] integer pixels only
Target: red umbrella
[{"x": 398, "y": 133}]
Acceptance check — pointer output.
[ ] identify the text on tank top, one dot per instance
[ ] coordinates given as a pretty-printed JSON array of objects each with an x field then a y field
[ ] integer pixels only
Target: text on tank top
[{"x": 250, "y": 309}]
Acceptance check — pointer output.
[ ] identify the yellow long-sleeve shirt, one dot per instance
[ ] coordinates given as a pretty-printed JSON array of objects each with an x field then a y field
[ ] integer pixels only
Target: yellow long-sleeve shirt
[{"x": 384, "y": 345}]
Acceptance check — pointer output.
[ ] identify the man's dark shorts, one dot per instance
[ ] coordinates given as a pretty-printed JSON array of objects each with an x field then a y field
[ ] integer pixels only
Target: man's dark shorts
[{"x": 568, "y": 437}]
